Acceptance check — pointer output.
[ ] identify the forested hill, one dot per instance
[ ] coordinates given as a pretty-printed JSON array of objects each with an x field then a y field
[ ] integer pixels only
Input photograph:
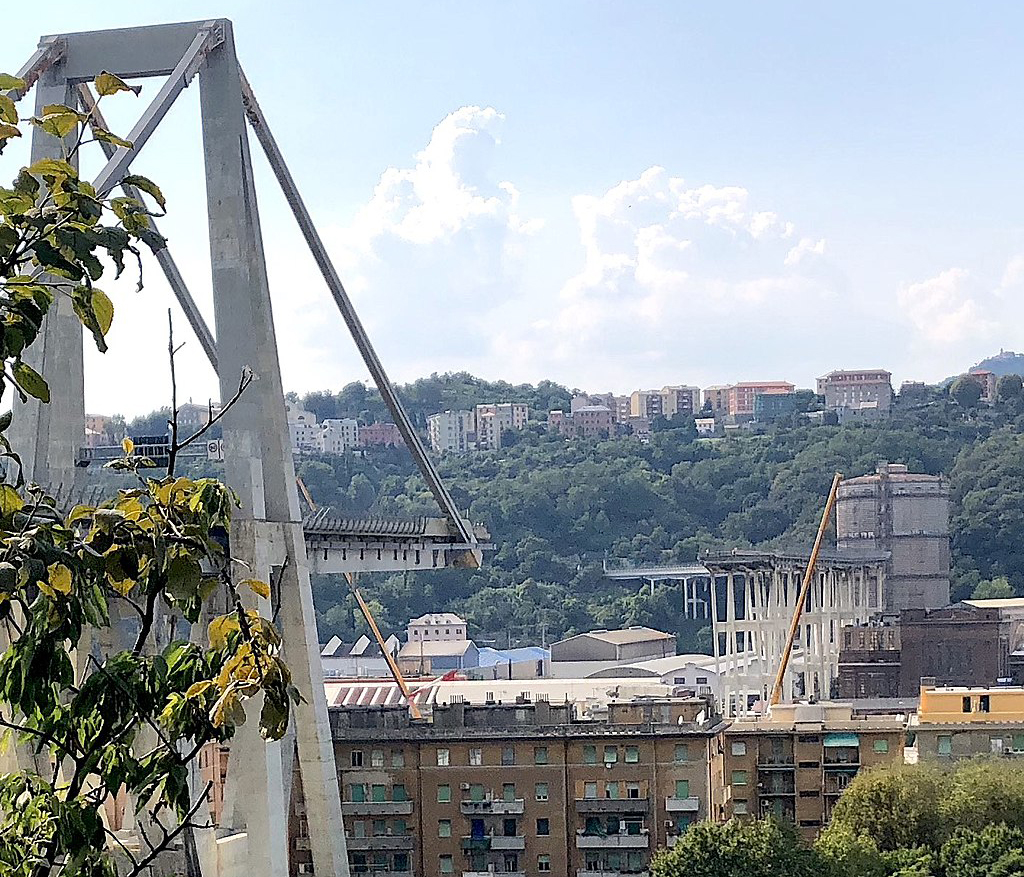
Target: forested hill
[{"x": 556, "y": 507}]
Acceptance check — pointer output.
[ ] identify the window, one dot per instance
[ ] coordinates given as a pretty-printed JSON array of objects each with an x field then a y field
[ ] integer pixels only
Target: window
[
  {"x": 540, "y": 791},
  {"x": 476, "y": 757},
  {"x": 984, "y": 703},
  {"x": 632, "y": 790},
  {"x": 590, "y": 755},
  {"x": 397, "y": 758},
  {"x": 1018, "y": 742},
  {"x": 739, "y": 806},
  {"x": 508, "y": 755},
  {"x": 611, "y": 754},
  {"x": 590, "y": 790},
  {"x": 611, "y": 790},
  {"x": 881, "y": 746},
  {"x": 357, "y": 793},
  {"x": 447, "y": 865},
  {"x": 401, "y": 862},
  {"x": 380, "y": 827},
  {"x": 682, "y": 788},
  {"x": 400, "y": 828},
  {"x": 540, "y": 754},
  {"x": 682, "y": 753},
  {"x": 359, "y": 829},
  {"x": 508, "y": 828},
  {"x": 398, "y": 792},
  {"x": 377, "y": 758},
  {"x": 739, "y": 777},
  {"x": 945, "y": 744},
  {"x": 543, "y": 827},
  {"x": 357, "y": 758},
  {"x": 476, "y": 792},
  {"x": 739, "y": 747},
  {"x": 443, "y": 757},
  {"x": 966, "y": 704},
  {"x": 544, "y": 863},
  {"x": 702, "y": 680},
  {"x": 444, "y": 794},
  {"x": 808, "y": 738},
  {"x": 444, "y": 828},
  {"x": 378, "y": 793},
  {"x": 632, "y": 754},
  {"x": 508, "y": 791}
]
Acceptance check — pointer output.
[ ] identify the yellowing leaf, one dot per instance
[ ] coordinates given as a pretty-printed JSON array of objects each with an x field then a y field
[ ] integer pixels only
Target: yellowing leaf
[
  {"x": 198, "y": 689},
  {"x": 128, "y": 446},
  {"x": 108, "y": 83},
  {"x": 8, "y": 112},
  {"x": 255, "y": 585},
  {"x": 103, "y": 308},
  {"x": 60, "y": 578},
  {"x": 78, "y": 513},
  {"x": 10, "y": 83},
  {"x": 219, "y": 630},
  {"x": 30, "y": 381},
  {"x": 147, "y": 186},
  {"x": 10, "y": 501}
]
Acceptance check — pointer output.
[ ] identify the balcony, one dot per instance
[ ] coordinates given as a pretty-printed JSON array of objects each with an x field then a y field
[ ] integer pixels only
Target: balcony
[
  {"x": 492, "y": 873},
  {"x": 384, "y": 842},
  {"x": 839, "y": 764},
  {"x": 682, "y": 805},
  {"x": 372, "y": 869},
  {"x": 504, "y": 843},
  {"x": 376, "y": 808},
  {"x": 612, "y": 805},
  {"x": 476, "y": 844},
  {"x": 302, "y": 843},
  {"x": 584, "y": 872},
  {"x": 776, "y": 762},
  {"x": 620, "y": 841},
  {"x": 495, "y": 807}
]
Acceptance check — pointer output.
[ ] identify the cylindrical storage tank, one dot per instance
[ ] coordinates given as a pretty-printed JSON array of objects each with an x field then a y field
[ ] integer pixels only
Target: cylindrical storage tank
[{"x": 907, "y": 515}]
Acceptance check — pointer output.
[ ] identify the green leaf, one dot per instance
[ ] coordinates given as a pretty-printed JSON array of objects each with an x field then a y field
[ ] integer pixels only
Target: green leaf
[
  {"x": 8, "y": 131},
  {"x": 8, "y": 112},
  {"x": 53, "y": 167},
  {"x": 108, "y": 83},
  {"x": 183, "y": 577},
  {"x": 59, "y": 124},
  {"x": 30, "y": 381},
  {"x": 147, "y": 186},
  {"x": 103, "y": 135},
  {"x": 78, "y": 513},
  {"x": 5, "y": 420},
  {"x": 10, "y": 501},
  {"x": 11, "y": 83}
]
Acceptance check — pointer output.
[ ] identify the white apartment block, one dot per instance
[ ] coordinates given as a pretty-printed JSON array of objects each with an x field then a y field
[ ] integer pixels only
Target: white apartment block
[
  {"x": 338, "y": 436},
  {"x": 303, "y": 428},
  {"x": 436, "y": 627},
  {"x": 495, "y": 418},
  {"x": 451, "y": 432}
]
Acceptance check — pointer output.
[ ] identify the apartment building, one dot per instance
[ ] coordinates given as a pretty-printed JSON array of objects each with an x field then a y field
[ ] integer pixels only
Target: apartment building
[
  {"x": 452, "y": 432},
  {"x": 962, "y": 722},
  {"x": 987, "y": 381},
  {"x": 855, "y": 388},
  {"x": 741, "y": 397},
  {"x": 646, "y": 403},
  {"x": 380, "y": 435},
  {"x": 493, "y": 419},
  {"x": 586, "y": 421},
  {"x": 795, "y": 763},
  {"x": 718, "y": 396},
  {"x": 529, "y": 789},
  {"x": 302, "y": 428},
  {"x": 338, "y": 436},
  {"x": 680, "y": 401},
  {"x": 619, "y": 406}
]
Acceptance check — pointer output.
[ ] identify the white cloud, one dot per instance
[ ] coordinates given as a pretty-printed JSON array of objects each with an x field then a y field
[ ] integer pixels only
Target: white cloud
[{"x": 806, "y": 247}]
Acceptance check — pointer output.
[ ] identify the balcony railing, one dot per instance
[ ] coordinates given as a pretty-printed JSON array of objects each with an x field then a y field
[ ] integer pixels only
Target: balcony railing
[
  {"x": 504, "y": 843},
  {"x": 682, "y": 805},
  {"x": 622, "y": 840},
  {"x": 492, "y": 873},
  {"x": 612, "y": 805},
  {"x": 382, "y": 842},
  {"x": 498, "y": 807},
  {"x": 585, "y": 872},
  {"x": 775, "y": 762},
  {"x": 376, "y": 808}
]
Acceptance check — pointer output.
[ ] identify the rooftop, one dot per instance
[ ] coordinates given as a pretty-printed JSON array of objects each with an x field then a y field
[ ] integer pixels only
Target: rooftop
[
  {"x": 998, "y": 603},
  {"x": 435, "y": 648},
  {"x": 627, "y": 635},
  {"x": 438, "y": 618}
]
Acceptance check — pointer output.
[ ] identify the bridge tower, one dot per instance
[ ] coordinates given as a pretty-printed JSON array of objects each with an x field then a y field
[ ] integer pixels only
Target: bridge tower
[{"x": 267, "y": 532}]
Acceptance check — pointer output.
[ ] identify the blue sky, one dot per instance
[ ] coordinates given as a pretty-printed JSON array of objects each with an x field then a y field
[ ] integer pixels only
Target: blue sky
[{"x": 610, "y": 195}]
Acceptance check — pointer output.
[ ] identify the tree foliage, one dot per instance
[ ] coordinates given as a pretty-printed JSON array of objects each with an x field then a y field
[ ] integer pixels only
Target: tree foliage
[{"x": 98, "y": 722}]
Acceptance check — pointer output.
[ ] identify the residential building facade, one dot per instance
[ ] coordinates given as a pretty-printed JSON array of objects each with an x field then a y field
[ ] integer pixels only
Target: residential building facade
[
  {"x": 869, "y": 660},
  {"x": 741, "y": 396},
  {"x": 646, "y": 403},
  {"x": 380, "y": 435},
  {"x": 338, "y": 436},
  {"x": 302, "y": 428},
  {"x": 795, "y": 763},
  {"x": 717, "y": 397},
  {"x": 528, "y": 789},
  {"x": 493, "y": 419},
  {"x": 987, "y": 381},
  {"x": 452, "y": 432},
  {"x": 852, "y": 388},
  {"x": 680, "y": 401},
  {"x": 586, "y": 421},
  {"x": 436, "y": 627},
  {"x": 961, "y": 722}
]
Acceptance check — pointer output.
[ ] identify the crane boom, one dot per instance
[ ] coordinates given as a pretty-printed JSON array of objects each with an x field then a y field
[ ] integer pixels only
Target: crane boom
[{"x": 812, "y": 561}]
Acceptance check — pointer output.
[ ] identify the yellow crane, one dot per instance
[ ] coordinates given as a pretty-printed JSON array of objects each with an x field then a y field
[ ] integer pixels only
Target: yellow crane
[
  {"x": 396, "y": 672},
  {"x": 805, "y": 586}
]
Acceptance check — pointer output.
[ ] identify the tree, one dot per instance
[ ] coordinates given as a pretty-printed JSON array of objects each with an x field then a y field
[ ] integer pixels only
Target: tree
[
  {"x": 971, "y": 853},
  {"x": 762, "y": 848},
  {"x": 998, "y": 588},
  {"x": 966, "y": 392},
  {"x": 1009, "y": 387},
  {"x": 131, "y": 721},
  {"x": 895, "y": 806}
]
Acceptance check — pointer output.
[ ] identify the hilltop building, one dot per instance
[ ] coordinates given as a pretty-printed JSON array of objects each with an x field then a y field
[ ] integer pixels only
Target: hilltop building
[
  {"x": 452, "y": 432},
  {"x": 302, "y": 427},
  {"x": 338, "y": 436},
  {"x": 380, "y": 435},
  {"x": 493, "y": 419},
  {"x": 436, "y": 627},
  {"x": 741, "y": 397},
  {"x": 857, "y": 390}
]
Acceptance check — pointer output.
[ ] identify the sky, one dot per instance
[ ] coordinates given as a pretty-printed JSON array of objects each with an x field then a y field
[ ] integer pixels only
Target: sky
[{"x": 611, "y": 195}]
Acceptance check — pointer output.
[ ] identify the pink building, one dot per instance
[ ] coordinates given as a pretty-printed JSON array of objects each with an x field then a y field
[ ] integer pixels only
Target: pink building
[{"x": 380, "y": 435}]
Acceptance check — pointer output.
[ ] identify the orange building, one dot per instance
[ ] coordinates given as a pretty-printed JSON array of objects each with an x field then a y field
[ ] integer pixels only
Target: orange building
[{"x": 742, "y": 396}]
